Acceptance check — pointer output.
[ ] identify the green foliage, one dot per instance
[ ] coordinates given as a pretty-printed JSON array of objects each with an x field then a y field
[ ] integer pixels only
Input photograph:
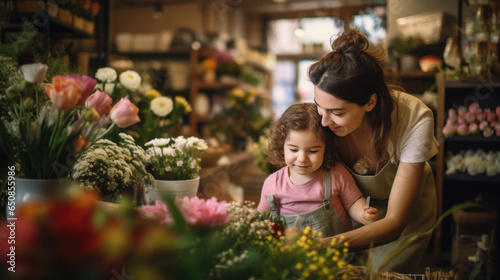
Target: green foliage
[{"x": 405, "y": 44}]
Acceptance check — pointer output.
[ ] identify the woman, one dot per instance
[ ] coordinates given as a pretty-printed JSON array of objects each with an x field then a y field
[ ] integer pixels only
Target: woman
[{"x": 385, "y": 138}]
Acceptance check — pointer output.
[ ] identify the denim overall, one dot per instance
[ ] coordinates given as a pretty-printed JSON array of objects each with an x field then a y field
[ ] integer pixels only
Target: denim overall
[
  {"x": 422, "y": 216},
  {"x": 323, "y": 219}
]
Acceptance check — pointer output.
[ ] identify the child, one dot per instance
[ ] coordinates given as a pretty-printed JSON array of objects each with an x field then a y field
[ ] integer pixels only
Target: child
[{"x": 312, "y": 189}]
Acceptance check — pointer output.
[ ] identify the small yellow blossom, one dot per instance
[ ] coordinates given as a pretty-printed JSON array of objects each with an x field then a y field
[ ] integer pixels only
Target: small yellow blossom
[
  {"x": 325, "y": 270},
  {"x": 345, "y": 250},
  {"x": 346, "y": 244},
  {"x": 313, "y": 267},
  {"x": 152, "y": 93},
  {"x": 238, "y": 92},
  {"x": 181, "y": 100},
  {"x": 299, "y": 266}
]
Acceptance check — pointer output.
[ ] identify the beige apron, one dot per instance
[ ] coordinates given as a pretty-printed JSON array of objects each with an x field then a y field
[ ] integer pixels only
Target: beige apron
[
  {"x": 422, "y": 216},
  {"x": 323, "y": 219}
]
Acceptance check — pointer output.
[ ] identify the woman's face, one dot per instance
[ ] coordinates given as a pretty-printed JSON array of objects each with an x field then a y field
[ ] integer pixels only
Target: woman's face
[{"x": 340, "y": 116}]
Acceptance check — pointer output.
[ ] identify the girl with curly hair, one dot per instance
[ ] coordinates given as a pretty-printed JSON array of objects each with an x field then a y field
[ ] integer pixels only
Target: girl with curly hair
[{"x": 311, "y": 188}]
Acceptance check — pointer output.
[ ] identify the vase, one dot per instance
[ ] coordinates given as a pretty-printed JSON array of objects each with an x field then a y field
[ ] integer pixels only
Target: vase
[
  {"x": 30, "y": 190},
  {"x": 179, "y": 188}
]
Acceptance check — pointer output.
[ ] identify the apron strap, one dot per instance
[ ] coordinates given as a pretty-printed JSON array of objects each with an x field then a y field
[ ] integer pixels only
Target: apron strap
[
  {"x": 274, "y": 209},
  {"x": 328, "y": 189}
]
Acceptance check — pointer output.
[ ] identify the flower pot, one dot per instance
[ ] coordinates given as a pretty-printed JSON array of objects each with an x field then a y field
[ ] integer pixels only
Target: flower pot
[
  {"x": 29, "y": 190},
  {"x": 180, "y": 188}
]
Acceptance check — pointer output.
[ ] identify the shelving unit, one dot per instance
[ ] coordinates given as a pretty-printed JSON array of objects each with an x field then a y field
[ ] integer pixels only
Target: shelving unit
[
  {"x": 457, "y": 188},
  {"x": 52, "y": 29}
]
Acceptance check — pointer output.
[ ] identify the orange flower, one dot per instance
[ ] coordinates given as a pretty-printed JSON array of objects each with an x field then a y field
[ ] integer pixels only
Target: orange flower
[
  {"x": 209, "y": 64},
  {"x": 63, "y": 92},
  {"x": 81, "y": 143},
  {"x": 124, "y": 113}
]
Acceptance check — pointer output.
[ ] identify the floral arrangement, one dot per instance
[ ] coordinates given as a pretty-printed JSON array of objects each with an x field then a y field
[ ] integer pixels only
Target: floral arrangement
[
  {"x": 158, "y": 113},
  {"x": 473, "y": 162},
  {"x": 112, "y": 169},
  {"x": 75, "y": 237},
  {"x": 472, "y": 121},
  {"x": 52, "y": 122},
  {"x": 175, "y": 158},
  {"x": 259, "y": 150},
  {"x": 240, "y": 117}
]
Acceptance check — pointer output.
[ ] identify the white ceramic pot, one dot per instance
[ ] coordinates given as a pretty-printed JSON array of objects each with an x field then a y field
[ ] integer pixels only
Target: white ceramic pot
[
  {"x": 27, "y": 190},
  {"x": 179, "y": 188}
]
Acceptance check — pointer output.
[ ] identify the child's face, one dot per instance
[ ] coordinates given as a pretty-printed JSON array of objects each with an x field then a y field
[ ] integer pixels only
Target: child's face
[{"x": 304, "y": 152}]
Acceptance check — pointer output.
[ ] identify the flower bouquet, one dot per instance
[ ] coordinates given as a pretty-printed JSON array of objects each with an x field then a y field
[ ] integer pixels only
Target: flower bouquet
[
  {"x": 53, "y": 122},
  {"x": 175, "y": 158},
  {"x": 158, "y": 113}
]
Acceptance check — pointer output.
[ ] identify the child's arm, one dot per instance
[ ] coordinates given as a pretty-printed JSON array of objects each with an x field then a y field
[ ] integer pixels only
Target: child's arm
[{"x": 362, "y": 213}]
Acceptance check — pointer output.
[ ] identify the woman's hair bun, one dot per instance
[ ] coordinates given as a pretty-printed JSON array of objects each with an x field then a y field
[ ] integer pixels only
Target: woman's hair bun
[{"x": 349, "y": 41}]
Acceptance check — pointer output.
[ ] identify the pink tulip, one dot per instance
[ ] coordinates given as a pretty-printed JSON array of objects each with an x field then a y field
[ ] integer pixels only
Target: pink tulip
[
  {"x": 63, "y": 92},
  {"x": 463, "y": 129},
  {"x": 86, "y": 83},
  {"x": 124, "y": 113},
  {"x": 100, "y": 101}
]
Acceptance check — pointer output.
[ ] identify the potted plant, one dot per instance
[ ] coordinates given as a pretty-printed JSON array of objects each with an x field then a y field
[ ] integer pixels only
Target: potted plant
[
  {"x": 175, "y": 165},
  {"x": 114, "y": 169},
  {"x": 403, "y": 47}
]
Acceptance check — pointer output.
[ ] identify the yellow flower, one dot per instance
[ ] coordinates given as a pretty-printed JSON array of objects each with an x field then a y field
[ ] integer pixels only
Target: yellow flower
[
  {"x": 238, "y": 92},
  {"x": 325, "y": 270},
  {"x": 253, "y": 92},
  {"x": 313, "y": 267},
  {"x": 152, "y": 93},
  {"x": 299, "y": 266},
  {"x": 181, "y": 100}
]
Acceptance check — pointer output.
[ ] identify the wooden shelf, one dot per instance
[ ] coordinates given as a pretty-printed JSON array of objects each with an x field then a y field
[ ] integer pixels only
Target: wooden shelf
[
  {"x": 473, "y": 179},
  {"x": 473, "y": 138}
]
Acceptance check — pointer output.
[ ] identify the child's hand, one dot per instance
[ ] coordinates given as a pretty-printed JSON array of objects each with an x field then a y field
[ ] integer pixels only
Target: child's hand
[{"x": 369, "y": 214}]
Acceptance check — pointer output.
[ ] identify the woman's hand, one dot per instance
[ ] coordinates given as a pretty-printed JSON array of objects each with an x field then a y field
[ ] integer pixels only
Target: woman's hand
[{"x": 368, "y": 215}]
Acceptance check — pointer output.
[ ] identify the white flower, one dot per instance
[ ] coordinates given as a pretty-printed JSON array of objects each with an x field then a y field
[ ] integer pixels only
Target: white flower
[
  {"x": 162, "y": 106},
  {"x": 158, "y": 142},
  {"x": 108, "y": 87},
  {"x": 169, "y": 151},
  {"x": 130, "y": 80},
  {"x": 35, "y": 72},
  {"x": 106, "y": 74}
]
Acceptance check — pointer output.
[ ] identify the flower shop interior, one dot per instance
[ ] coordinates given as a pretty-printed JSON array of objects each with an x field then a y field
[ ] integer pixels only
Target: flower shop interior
[{"x": 127, "y": 97}]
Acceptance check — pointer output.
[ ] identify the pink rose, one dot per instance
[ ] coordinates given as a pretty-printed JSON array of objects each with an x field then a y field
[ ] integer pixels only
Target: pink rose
[
  {"x": 449, "y": 130},
  {"x": 461, "y": 110},
  {"x": 474, "y": 108},
  {"x": 206, "y": 213},
  {"x": 470, "y": 117},
  {"x": 497, "y": 111},
  {"x": 124, "y": 113},
  {"x": 491, "y": 117},
  {"x": 452, "y": 114},
  {"x": 86, "y": 84},
  {"x": 63, "y": 92},
  {"x": 473, "y": 128},
  {"x": 482, "y": 125},
  {"x": 463, "y": 129},
  {"x": 100, "y": 101},
  {"x": 158, "y": 212}
]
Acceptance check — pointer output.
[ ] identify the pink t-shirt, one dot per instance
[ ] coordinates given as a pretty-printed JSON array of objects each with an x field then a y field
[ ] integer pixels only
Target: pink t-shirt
[{"x": 296, "y": 199}]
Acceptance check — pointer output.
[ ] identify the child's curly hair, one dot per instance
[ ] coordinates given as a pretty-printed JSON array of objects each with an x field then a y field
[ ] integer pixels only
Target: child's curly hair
[{"x": 301, "y": 117}]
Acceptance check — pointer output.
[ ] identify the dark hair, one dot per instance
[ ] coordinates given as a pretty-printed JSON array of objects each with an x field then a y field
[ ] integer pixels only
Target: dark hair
[
  {"x": 353, "y": 71},
  {"x": 301, "y": 117}
]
